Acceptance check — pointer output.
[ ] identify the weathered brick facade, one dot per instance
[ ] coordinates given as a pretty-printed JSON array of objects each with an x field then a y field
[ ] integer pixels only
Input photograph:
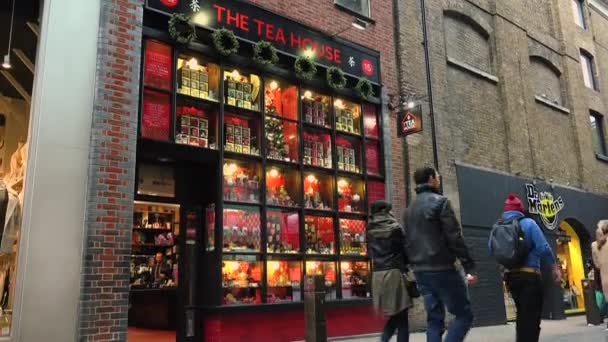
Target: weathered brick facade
[
  {"x": 105, "y": 274},
  {"x": 509, "y": 96}
]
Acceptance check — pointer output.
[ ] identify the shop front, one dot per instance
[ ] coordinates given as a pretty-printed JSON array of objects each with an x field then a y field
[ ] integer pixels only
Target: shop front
[
  {"x": 568, "y": 217},
  {"x": 251, "y": 177}
]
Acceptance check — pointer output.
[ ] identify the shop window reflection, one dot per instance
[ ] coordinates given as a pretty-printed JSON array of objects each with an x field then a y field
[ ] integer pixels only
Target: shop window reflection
[
  {"x": 281, "y": 99},
  {"x": 241, "y": 229},
  {"x": 284, "y": 279},
  {"x": 241, "y": 279},
  {"x": 372, "y": 157},
  {"x": 242, "y": 90},
  {"x": 355, "y": 279},
  {"x": 328, "y": 270},
  {"x": 370, "y": 121}
]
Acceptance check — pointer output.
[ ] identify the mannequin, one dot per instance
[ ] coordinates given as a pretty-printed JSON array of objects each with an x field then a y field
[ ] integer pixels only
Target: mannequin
[{"x": 14, "y": 187}]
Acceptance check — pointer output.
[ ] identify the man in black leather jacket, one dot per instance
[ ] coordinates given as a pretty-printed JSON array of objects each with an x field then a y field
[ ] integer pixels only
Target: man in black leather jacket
[
  {"x": 384, "y": 237},
  {"x": 434, "y": 241}
]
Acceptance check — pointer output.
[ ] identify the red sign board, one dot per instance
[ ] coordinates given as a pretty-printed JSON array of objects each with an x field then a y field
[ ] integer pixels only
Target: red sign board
[
  {"x": 157, "y": 66},
  {"x": 409, "y": 121},
  {"x": 156, "y": 114}
]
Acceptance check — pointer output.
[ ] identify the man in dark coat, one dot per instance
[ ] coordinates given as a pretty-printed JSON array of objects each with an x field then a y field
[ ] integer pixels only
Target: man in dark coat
[{"x": 434, "y": 242}]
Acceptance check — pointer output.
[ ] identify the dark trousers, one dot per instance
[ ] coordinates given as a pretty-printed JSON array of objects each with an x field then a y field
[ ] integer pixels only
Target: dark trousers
[
  {"x": 397, "y": 322},
  {"x": 527, "y": 292},
  {"x": 441, "y": 290}
]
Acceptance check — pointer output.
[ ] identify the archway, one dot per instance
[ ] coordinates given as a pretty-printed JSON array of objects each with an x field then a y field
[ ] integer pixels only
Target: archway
[{"x": 572, "y": 251}]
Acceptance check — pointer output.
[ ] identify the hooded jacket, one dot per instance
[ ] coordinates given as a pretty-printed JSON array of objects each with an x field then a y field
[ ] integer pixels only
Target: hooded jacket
[{"x": 385, "y": 242}]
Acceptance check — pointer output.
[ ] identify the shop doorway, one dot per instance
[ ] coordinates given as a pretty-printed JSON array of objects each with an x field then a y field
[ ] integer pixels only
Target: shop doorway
[{"x": 572, "y": 245}]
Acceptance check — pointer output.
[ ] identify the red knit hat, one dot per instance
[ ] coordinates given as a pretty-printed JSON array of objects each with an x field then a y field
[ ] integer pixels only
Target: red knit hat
[{"x": 513, "y": 203}]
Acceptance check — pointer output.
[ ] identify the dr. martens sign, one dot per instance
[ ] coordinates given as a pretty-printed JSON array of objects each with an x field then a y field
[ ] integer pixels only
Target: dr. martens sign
[
  {"x": 253, "y": 24},
  {"x": 544, "y": 205}
]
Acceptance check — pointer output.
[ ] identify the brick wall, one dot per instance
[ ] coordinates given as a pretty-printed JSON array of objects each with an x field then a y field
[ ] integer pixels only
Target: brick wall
[
  {"x": 105, "y": 272},
  {"x": 546, "y": 80},
  {"x": 466, "y": 43}
]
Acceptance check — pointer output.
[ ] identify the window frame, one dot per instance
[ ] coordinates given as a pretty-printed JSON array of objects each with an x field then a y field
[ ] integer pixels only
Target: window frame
[
  {"x": 578, "y": 9},
  {"x": 599, "y": 129},
  {"x": 589, "y": 70},
  {"x": 367, "y": 15}
]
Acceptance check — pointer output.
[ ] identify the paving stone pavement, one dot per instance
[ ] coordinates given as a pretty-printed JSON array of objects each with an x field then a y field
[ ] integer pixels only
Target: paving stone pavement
[{"x": 572, "y": 329}]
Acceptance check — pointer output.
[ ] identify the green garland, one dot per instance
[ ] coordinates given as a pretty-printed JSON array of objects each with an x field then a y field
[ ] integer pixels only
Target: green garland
[
  {"x": 264, "y": 54},
  {"x": 225, "y": 42},
  {"x": 181, "y": 28},
  {"x": 305, "y": 68},
  {"x": 336, "y": 78},
  {"x": 364, "y": 88}
]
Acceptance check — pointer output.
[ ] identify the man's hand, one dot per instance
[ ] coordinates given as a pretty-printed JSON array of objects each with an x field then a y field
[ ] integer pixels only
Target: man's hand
[
  {"x": 472, "y": 279},
  {"x": 557, "y": 273}
]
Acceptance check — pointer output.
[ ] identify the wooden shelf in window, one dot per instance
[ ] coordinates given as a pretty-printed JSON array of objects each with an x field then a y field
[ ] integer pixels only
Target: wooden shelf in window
[
  {"x": 317, "y": 128},
  {"x": 354, "y": 257},
  {"x": 313, "y": 168},
  {"x": 246, "y": 204},
  {"x": 352, "y": 215},
  {"x": 280, "y": 118},
  {"x": 151, "y": 245},
  {"x": 284, "y": 208},
  {"x": 276, "y": 162},
  {"x": 161, "y": 230},
  {"x": 160, "y": 90},
  {"x": 200, "y": 100},
  {"x": 349, "y": 174},
  {"x": 249, "y": 113},
  {"x": 241, "y": 156},
  {"x": 347, "y": 134},
  {"x": 319, "y": 212},
  {"x": 375, "y": 177}
]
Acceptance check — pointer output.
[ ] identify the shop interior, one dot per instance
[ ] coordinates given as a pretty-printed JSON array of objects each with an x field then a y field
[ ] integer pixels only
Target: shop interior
[
  {"x": 570, "y": 259},
  {"x": 19, "y": 32}
]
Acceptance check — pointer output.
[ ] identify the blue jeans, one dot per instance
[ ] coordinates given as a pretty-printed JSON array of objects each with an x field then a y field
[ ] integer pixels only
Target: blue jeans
[{"x": 440, "y": 290}]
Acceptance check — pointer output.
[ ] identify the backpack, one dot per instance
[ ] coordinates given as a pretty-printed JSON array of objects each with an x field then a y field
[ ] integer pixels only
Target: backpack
[{"x": 508, "y": 244}]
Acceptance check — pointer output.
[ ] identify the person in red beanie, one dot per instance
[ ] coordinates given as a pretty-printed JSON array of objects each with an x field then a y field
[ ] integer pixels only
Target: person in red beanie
[{"x": 525, "y": 282}]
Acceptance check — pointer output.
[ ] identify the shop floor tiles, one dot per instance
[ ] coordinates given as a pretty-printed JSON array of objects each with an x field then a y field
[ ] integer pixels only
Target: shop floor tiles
[{"x": 143, "y": 335}]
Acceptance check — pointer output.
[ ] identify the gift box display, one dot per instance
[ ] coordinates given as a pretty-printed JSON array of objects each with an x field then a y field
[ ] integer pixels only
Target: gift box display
[
  {"x": 352, "y": 236},
  {"x": 241, "y": 282},
  {"x": 193, "y": 79},
  {"x": 355, "y": 279},
  {"x": 280, "y": 99},
  {"x": 317, "y": 150},
  {"x": 348, "y": 117},
  {"x": 239, "y": 137},
  {"x": 241, "y": 182},
  {"x": 319, "y": 233},
  {"x": 318, "y": 193},
  {"x": 283, "y": 232},
  {"x": 328, "y": 270},
  {"x": 347, "y": 160},
  {"x": 283, "y": 279},
  {"x": 350, "y": 200},
  {"x": 241, "y": 229},
  {"x": 193, "y": 128},
  {"x": 316, "y": 111},
  {"x": 239, "y": 93}
]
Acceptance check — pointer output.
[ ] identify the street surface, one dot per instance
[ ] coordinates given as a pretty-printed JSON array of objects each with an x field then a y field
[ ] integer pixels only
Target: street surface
[{"x": 572, "y": 329}]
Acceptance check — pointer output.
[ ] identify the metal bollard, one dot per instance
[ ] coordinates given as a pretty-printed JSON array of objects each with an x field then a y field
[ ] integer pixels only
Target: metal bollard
[
  {"x": 591, "y": 310},
  {"x": 314, "y": 311}
]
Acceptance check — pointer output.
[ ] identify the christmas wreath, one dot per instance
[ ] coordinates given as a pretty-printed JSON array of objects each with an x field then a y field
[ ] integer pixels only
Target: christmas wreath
[
  {"x": 225, "y": 42},
  {"x": 364, "y": 88},
  {"x": 305, "y": 68},
  {"x": 181, "y": 28},
  {"x": 265, "y": 54},
  {"x": 336, "y": 78}
]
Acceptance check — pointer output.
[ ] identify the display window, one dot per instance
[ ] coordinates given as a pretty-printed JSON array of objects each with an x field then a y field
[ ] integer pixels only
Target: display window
[
  {"x": 241, "y": 232},
  {"x": 284, "y": 280},
  {"x": 355, "y": 277},
  {"x": 351, "y": 194},
  {"x": 327, "y": 269},
  {"x": 196, "y": 124},
  {"x": 155, "y": 180},
  {"x": 318, "y": 191},
  {"x": 283, "y": 186},
  {"x": 157, "y": 66},
  {"x": 352, "y": 237},
  {"x": 241, "y": 134},
  {"x": 241, "y": 280},
  {"x": 242, "y": 90},
  {"x": 283, "y": 229},
  {"x": 376, "y": 192},
  {"x": 372, "y": 157},
  {"x": 348, "y": 150},
  {"x": 197, "y": 77},
  {"x": 316, "y": 109},
  {"x": 281, "y": 139},
  {"x": 241, "y": 181},
  {"x": 317, "y": 149},
  {"x": 370, "y": 121},
  {"x": 153, "y": 245},
  {"x": 348, "y": 116},
  {"x": 319, "y": 234},
  {"x": 156, "y": 115},
  {"x": 280, "y": 99},
  {"x": 570, "y": 260}
]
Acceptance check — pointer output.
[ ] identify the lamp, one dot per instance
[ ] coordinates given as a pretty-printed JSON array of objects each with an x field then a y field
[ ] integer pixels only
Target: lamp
[{"x": 6, "y": 64}]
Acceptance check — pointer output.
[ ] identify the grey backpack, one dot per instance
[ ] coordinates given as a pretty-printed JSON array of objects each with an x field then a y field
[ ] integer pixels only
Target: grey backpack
[{"x": 508, "y": 244}]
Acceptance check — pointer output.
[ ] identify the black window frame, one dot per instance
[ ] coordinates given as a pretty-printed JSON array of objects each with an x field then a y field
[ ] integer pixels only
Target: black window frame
[
  {"x": 364, "y": 16},
  {"x": 580, "y": 7},
  {"x": 600, "y": 129},
  {"x": 594, "y": 81}
]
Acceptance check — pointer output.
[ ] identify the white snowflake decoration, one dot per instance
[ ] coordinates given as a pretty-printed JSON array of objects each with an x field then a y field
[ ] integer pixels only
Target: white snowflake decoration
[
  {"x": 195, "y": 5},
  {"x": 351, "y": 62}
]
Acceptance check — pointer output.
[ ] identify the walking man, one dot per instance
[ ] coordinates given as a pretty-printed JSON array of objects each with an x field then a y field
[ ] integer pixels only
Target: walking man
[
  {"x": 434, "y": 242},
  {"x": 524, "y": 282}
]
